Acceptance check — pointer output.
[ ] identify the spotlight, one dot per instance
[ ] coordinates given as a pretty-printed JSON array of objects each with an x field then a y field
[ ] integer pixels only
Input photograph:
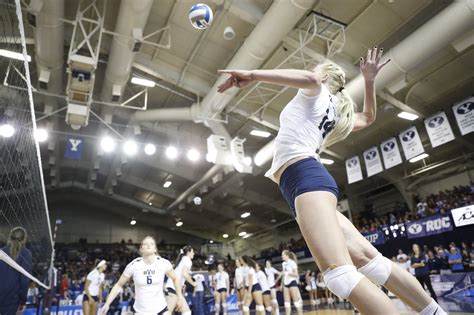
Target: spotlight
[
  {"x": 419, "y": 157},
  {"x": 133, "y": 222},
  {"x": 245, "y": 215},
  {"x": 247, "y": 160},
  {"x": 130, "y": 147},
  {"x": 143, "y": 82},
  {"x": 407, "y": 116},
  {"x": 260, "y": 133},
  {"x": 7, "y": 131},
  {"x": 150, "y": 149},
  {"x": 171, "y": 152},
  {"x": 167, "y": 184},
  {"x": 225, "y": 235},
  {"x": 179, "y": 223},
  {"x": 41, "y": 135},
  {"x": 246, "y": 235},
  {"x": 107, "y": 144},
  {"x": 211, "y": 241},
  {"x": 193, "y": 155},
  {"x": 242, "y": 233},
  {"x": 327, "y": 161},
  {"x": 197, "y": 201}
]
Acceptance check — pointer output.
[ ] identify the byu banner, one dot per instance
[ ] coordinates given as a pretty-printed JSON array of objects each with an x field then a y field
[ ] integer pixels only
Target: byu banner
[
  {"x": 463, "y": 216},
  {"x": 376, "y": 238},
  {"x": 411, "y": 143},
  {"x": 372, "y": 161},
  {"x": 464, "y": 113},
  {"x": 354, "y": 172},
  {"x": 432, "y": 225},
  {"x": 438, "y": 129},
  {"x": 74, "y": 147},
  {"x": 390, "y": 153}
]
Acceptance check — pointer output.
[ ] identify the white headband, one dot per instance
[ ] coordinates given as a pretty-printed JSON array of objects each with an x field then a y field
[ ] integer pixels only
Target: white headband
[{"x": 101, "y": 263}]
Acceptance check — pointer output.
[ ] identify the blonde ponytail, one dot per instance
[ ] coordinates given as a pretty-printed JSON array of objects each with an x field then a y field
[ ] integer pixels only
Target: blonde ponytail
[{"x": 345, "y": 107}]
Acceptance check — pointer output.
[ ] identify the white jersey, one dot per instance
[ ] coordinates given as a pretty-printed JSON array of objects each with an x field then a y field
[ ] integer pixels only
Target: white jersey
[
  {"x": 251, "y": 273},
  {"x": 304, "y": 122},
  {"x": 245, "y": 273},
  {"x": 221, "y": 280},
  {"x": 289, "y": 266},
  {"x": 184, "y": 264},
  {"x": 262, "y": 279},
  {"x": 148, "y": 280},
  {"x": 199, "y": 278},
  {"x": 239, "y": 277},
  {"x": 96, "y": 278},
  {"x": 271, "y": 272},
  {"x": 312, "y": 282}
]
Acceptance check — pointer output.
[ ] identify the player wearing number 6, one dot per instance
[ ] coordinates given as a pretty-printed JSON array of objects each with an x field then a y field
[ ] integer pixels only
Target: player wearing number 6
[{"x": 148, "y": 273}]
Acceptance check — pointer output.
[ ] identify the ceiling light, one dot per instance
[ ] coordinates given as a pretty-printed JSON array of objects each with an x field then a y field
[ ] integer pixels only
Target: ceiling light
[
  {"x": 14, "y": 55},
  {"x": 419, "y": 157},
  {"x": 133, "y": 222},
  {"x": 107, "y": 144},
  {"x": 260, "y": 133},
  {"x": 246, "y": 235},
  {"x": 150, "y": 204},
  {"x": 225, "y": 235},
  {"x": 211, "y": 241},
  {"x": 242, "y": 233},
  {"x": 273, "y": 220},
  {"x": 245, "y": 215},
  {"x": 193, "y": 155},
  {"x": 7, "y": 131},
  {"x": 41, "y": 135},
  {"x": 179, "y": 223},
  {"x": 150, "y": 149},
  {"x": 407, "y": 116},
  {"x": 167, "y": 184},
  {"x": 247, "y": 160},
  {"x": 197, "y": 201},
  {"x": 143, "y": 82},
  {"x": 171, "y": 152},
  {"x": 327, "y": 161},
  {"x": 130, "y": 147}
]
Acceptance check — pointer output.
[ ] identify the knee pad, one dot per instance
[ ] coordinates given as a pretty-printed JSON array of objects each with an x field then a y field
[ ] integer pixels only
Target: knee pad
[
  {"x": 378, "y": 269},
  {"x": 245, "y": 308},
  {"x": 330, "y": 301},
  {"x": 269, "y": 309},
  {"x": 224, "y": 305},
  {"x": 342, "y": 280},
  {"x": 260, "y": 308},
  {"x": 318, "y": 302},
  {"x": 298, "y": 303},
  {"x": 217, "y": 307},
  {"x": 287, "y": 305},
  {"x": 275, "y": 301}
]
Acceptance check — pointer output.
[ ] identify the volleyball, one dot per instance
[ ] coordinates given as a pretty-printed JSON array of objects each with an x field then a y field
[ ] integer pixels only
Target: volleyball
[{"x": 200, "y": 16}]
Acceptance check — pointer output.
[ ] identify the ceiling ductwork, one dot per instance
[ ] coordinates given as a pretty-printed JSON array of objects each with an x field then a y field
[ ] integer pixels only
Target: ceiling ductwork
[
  {"x": 454, "y": 21},
  {"x": 132, "y": 18},
  {"x": 49, "y": 47}
]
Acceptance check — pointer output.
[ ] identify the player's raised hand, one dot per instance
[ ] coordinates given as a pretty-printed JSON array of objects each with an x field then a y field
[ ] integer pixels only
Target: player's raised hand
[{"x": 238, "y": 78}]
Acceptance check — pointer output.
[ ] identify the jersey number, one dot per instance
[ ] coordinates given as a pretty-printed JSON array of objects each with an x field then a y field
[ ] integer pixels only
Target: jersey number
[{"x": 148, "y": 280}]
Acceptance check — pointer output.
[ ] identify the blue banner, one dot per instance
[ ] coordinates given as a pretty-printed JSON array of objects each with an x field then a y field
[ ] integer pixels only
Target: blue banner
[
  {"x": 74, "y": 148},
  {"x": 376, "y": 238},
  {"x": 432, "y": 225}
]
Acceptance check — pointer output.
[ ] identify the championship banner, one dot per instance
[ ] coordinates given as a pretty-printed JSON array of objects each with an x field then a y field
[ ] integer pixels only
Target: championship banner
[
  {"x": 411, "y": 143},
  {"x": 432, "y": 225},
  {"x": 464, "y": 113},
  {"x": 390, "y": 153},
  {"x": 439, "y": 130},
  {"x": 463, "y": 216},
  {"x": 372, "y": 161},
  {"x": 74, "y": 147},
  {"x": 354, "y": 172},
  {"x": 376, "y": 238}
]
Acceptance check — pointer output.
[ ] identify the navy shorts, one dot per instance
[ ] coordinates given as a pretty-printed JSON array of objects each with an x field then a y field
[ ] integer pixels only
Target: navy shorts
[
  {"x": 291, "y": 284},
  {"x": 85, "y": 298},
  {"x": 256, "y": 287},
  {"x": 170, "y": 291},
  {"x": 222, "y": 290},
  {"x": 304, "y": 176},
  {"x": 266, "y": 292}
]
